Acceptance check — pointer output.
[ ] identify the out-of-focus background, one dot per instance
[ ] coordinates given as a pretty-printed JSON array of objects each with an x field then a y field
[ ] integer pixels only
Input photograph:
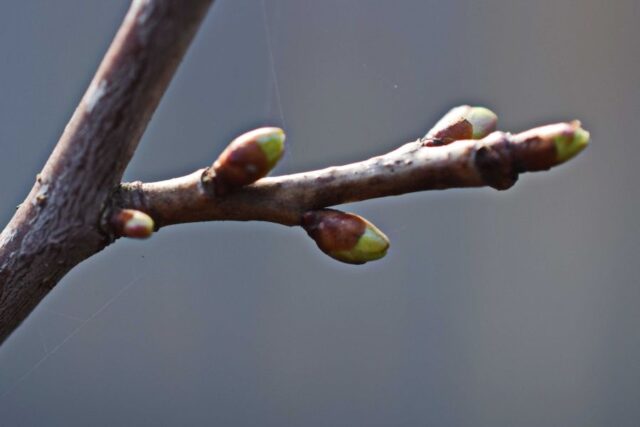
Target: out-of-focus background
[{"x": 516, "y": 308}]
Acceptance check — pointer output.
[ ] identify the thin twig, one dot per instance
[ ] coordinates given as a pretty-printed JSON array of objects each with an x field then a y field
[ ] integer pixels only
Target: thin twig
[{"x": 495, "y": 161}]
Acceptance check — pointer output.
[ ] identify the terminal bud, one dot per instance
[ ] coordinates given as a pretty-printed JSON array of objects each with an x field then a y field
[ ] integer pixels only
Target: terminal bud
[{"x": 544, "y": 147}]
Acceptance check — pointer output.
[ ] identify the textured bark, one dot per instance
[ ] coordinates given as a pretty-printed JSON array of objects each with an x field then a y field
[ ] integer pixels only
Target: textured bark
[{"x": 59, "y": 223}]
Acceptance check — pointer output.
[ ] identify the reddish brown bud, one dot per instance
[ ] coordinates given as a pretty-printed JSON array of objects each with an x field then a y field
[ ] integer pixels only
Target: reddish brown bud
[
  {"x": 132, "y": 223},
  {"x": 248, "y": 158},
  {"x": 547, "y": 146},
  {"x": 344, "y": 236},
  {"x": 463, "y": 122}
]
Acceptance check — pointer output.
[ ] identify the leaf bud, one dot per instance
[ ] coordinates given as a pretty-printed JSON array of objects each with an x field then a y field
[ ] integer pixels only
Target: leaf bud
[
  {"x": 460, "y": 123},
  {"x": 248, "y": 158},
  {"x": 132, "y": 223},
  {"x": 544, "y": 147},
  {"x": 344, "y": 236}
]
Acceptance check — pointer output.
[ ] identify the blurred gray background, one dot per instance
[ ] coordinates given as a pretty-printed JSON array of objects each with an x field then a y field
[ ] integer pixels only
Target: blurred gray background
[{"x": 517, "y": 308}]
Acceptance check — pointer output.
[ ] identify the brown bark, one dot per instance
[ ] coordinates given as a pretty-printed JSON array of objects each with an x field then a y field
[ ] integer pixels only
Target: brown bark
[
  {"x": 58, "y": 224},
  {"x": 494, "y": 161}
]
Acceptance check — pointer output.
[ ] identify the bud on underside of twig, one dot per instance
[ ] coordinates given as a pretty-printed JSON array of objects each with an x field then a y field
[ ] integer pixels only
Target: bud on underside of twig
[
  {"x": 344, "y": 236},
  {"x": 463, "y": 122},
  {"x": 132, "y": 223},
  {"x": 248, "y": 158},
  {"x": 547, "y": 146}
]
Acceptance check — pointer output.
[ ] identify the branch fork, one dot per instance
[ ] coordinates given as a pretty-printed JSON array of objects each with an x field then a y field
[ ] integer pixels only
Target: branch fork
[{"x": 78, "y": 206}]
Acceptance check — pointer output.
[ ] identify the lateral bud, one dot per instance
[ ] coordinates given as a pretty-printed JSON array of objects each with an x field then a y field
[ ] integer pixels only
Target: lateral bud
[
  {"x": 248, "y": 158},
  {"x": 463, "y": 122},
  {"x": 346, "y": 237},
  {"x": 132, "y": 223}
]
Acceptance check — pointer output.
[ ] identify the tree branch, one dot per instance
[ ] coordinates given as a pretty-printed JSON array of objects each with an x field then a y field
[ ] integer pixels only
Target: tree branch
[
  {"x": 58, "y": 224},
  {"x": 428, "y": 164},
  {"x": 78, "y": 206}
]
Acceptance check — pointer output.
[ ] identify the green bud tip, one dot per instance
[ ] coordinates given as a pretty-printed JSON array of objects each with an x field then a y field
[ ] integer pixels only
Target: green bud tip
[
  {"x": 248, "y": 158},
  {"x": 570, "y": 143},
  {"x": 344, "y": 236},
  {"x": 483, "y": 121},
  {"x": 271, "y": 142},
  {"x": 461, "y": 123},
  {"x": 133, "y": 223},
  {"x": 372, "y": 245}
]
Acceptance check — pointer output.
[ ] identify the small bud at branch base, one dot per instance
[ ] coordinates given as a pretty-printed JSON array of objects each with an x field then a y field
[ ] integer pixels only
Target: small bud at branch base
[{"x": 132, "y": 223}]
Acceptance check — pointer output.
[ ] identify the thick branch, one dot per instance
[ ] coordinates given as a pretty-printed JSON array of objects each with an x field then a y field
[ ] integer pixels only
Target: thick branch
[
  {"x": 495, "y": 161},
  {"x": 58, "y": 224}
]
